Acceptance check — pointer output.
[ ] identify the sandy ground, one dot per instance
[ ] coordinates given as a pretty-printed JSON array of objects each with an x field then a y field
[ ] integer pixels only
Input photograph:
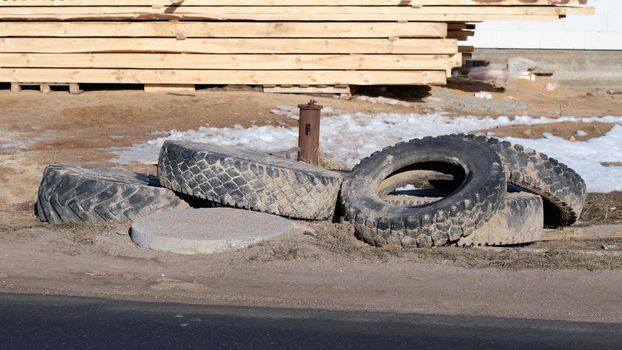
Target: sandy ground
[{"x": 330, "y": 270}]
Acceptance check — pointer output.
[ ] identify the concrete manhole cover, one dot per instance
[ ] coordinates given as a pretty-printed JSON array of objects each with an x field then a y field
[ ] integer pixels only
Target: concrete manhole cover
[{"x": 210, "y": 230}]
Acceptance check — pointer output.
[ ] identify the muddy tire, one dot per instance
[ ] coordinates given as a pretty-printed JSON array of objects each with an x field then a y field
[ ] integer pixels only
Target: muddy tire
[
  {"x": 561, "y": 188},
  {"x": 481, "y": 193},
  {"x": 71, "y": 193},
  {"x": 249, "y": 180},
  {"x": 519, "y": 222},
  {"x": 410, "y": 201}
]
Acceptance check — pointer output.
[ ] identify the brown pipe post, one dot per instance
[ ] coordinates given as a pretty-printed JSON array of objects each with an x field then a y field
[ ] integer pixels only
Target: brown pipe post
[{"x": 309, "y": 133}]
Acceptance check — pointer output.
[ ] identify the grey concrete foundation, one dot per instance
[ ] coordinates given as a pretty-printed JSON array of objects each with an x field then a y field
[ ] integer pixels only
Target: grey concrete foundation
[
  {"x": 210, "y": 230},
  {"x": 580, "y": 69}
]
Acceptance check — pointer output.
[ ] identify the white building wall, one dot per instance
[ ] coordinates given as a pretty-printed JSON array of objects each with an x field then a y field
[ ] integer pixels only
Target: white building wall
[{"x": 602, "y": 31}]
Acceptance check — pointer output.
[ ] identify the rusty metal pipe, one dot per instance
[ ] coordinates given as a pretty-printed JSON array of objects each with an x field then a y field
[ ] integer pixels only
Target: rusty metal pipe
[{"x": 309, "y": 133}]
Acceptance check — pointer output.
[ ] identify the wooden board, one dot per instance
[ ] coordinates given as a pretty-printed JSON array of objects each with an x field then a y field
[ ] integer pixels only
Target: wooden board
[
  {"x": 290, "y": 13},
  {"x": 73, "y": 88},
  {"x": 223, "y": 29},
  {"x": 232, "y": 62},
  {"x": 456, "y": 60},
  {"x": 268, "y": 77},
  {"x": 181, "y": 43},
  {"x": 229, "y": 12},
  {"x": 243, "y": 46},
  {"x": 460, "y": 35},
  {"x": 161, "y": 3}
]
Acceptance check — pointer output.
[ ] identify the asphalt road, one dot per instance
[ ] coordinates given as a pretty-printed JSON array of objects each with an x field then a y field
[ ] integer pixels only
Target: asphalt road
[{"x": 45, "y": 322}]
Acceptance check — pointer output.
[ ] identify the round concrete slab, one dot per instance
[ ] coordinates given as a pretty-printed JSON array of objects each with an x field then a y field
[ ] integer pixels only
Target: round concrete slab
[{"x": 210, "y": 230}]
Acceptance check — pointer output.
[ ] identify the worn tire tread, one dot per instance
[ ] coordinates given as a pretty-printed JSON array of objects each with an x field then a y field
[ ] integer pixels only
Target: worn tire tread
[
  {"x": 249, "y": 180},
  {"x": 379, "y": 223},
  {"x": 561, "y": 188},
  {"x": 72, "y": 193}
]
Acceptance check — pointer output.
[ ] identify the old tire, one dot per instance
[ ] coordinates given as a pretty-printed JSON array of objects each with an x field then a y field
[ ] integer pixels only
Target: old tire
[
  {"x": 561, "y": 188},
  {"x": 71, "y": 193},
  {"x": 481, "y": 193},
  {"x": 249, "y": 180},
  {"x": 519, "y": 222}
]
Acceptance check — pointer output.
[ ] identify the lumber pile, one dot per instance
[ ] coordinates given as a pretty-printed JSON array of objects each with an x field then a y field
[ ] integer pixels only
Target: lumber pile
[{"x": 249, "y": 42}]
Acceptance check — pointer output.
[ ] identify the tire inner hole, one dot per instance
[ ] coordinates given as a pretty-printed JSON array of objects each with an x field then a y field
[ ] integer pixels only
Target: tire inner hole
[{"x": 422, "y": 183}]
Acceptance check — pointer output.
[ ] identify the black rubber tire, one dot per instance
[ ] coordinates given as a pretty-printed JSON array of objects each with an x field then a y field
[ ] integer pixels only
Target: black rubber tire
[
  {"x": 379, "y": 222},
  {"x": 72, "y": 193},
  {"x": 249, "y": 180},
  {"x": 404, "y": 200},
  {"x": 561, "y": 188},
  {"x": 520, "y": 222}
]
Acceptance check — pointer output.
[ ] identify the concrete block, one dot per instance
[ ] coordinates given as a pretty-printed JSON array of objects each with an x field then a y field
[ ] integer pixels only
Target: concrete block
[{"x": 210, "y": 230}]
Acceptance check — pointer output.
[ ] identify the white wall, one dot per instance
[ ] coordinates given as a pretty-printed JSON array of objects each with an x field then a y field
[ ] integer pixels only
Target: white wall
[{"x": 602, "y": 31}]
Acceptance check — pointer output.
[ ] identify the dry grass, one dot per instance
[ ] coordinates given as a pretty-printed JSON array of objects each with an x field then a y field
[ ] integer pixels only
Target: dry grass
[
  {"x": 603, "y": 208},
  {"x": 338, "y": 239}
]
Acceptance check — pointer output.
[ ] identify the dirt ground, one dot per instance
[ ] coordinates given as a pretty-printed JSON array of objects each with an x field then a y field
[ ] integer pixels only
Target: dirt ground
[{"x": 330, "y": 269}]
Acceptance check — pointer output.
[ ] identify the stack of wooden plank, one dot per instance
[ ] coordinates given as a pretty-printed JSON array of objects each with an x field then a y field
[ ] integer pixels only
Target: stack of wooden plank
[{"x": 252, "y": 42}]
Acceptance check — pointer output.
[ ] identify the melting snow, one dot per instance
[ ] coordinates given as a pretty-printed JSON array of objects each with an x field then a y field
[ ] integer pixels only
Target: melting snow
[
  {"x": 351, "y": 137},
  {"x": 384, "y": 100}
]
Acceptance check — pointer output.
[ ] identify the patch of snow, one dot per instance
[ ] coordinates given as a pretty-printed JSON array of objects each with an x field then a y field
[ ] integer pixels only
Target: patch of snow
[
  {"x": 581, "y": 133},
  {"x": 484, "y": 95},
  {"x": 293, "y": 112},
  {"x": 384, "y": 100},
  {"x": 585, "y": 157},
  {"x": 351, "y": 137},
  {"x": 409, "y": 187},
  {"x": 13, "y": 140}
]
